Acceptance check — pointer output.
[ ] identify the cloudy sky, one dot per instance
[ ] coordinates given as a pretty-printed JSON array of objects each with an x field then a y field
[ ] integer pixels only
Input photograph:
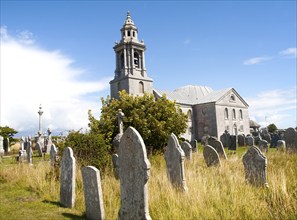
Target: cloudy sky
[{"x": 59, "y": 54}]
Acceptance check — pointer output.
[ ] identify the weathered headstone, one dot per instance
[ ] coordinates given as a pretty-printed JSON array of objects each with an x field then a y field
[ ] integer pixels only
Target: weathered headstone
[
  {"x": 263, "y": 146},
  {"x": 6, "y": 145},
  {"x": 38, "y": 148},
  {"x": 274, "y": 139},
  {"x": 194, "y": 145},
  {"x": 233, "y": 141},
  {"x": 225, "y": 139},
  {"x": 115, "y": 158},
  {"x": 257, "y": 138},
  {"x": 218, "y": 146},
  {"x": 93, "y": 193},
  {"x": 290, "y": 138},
  {"x": 22, "y": 143},
  {"x": 266, "y": 136},
  {"x": 53, "y": 155},
  {"x": 255, "y": 165},
  {"x": 1, "y": 146},
  {"x": 240, "y": 140},
  {"x": 281, "y": 145},
  {"x": 175, "y": 156},
  {"x": 187, "y": 148},
  {"x": 67, "y": 179},
  {"x": 249, "y": 140},
  {"x": 211, "y": 156},
  {"x": 134, "y": 174},
  {"x": 29, "y": 152}
]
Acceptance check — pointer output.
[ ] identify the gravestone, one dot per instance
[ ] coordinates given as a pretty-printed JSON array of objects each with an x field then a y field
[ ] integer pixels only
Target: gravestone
[
  {"x": 22, "y": 144},
  {"x": 263, "y": 146},
  {"x": 1, "y": 146},
  {"x": 53, "y": 155},
  {"x": 187, "y": 150},
  {"x": 290, "y": 137},
  {"x": 211, "y": 156},
  {"x": 266, "y": 136},
  {"x": 38, "y": 148},
  {"x": 240, "y": 140},
  {"x": 249, "y": 140},
  {"x": 134, "y": 174},
  {"x": 67, "y": 179},
  {"x": 204, "y": 140},
  {"x": 115, "y": 158},
  {"x": 281, "y": 145},
  {"x": 29, "y": 152},
  {"x": 274, "y": 139},
  {"x": 6, "y": 145},
  {"x": 225, "y": 139},
  {"x": 93, "y": 192},
  {"x": 218, "y": 146},
  {"x": 233, "y": 141},
  {"x": 257, "y": 138},
  {"x": 174, "y": 157},
  {"x": 255, "y": 165},
  {"x": 194, "y": 145}
]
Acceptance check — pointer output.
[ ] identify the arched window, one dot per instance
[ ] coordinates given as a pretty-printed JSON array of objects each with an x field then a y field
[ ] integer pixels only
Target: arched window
[
  {"x": 226, "y": 113},
  {"x": 233, "y": 114},
  {"x": 141, "y": 87},
  {"x": 122, "y": 61},
  {"x": 136, "y": 59},
  {"x": 189, "y": 114},
  {"x": 240, "y": 114}
]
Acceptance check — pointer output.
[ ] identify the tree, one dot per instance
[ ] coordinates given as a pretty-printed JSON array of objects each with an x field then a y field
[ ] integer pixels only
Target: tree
[
  {"x": 154, "y": 119},
  {"x": 272, "y": 128},
  {"x": 7, "y": 132}
]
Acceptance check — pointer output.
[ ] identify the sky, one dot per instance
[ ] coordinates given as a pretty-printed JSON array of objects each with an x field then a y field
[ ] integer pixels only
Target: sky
[{"x": 60, "y": 54}]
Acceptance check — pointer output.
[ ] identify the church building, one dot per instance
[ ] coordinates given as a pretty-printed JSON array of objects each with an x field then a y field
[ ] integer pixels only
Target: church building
[{"x": 209, "y": 112}]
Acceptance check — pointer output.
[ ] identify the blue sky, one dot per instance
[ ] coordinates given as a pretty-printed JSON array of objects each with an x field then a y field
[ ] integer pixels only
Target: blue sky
[{"x": 59, "y": 54}]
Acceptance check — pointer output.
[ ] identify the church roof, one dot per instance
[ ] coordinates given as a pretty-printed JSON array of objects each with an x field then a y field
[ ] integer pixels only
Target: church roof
[{"x": 214, "y": 96}]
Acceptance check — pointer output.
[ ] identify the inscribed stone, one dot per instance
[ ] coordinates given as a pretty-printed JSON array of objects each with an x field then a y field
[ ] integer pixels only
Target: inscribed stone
[
  {"x": 249, "y": 140},
  {"x": 175, "y": 157},
  {"x": 225, "y": 139},
  {"x": 187, "y": 150},
  {"x": 134, "y": 174},
  {"x": 233, "y": 141},
  {"x": 263, "y": 146},
  {"x": 53, "y": 155},
  {"x": 1, "y": 146},
  {"x": 281, "y": 145},
  {"x": 29, "y": 152},
  {"x": 93, "y": 193},
  {"x": 274, "y": 139},
  {"x": 240, "y": 140},
  {"x": 67, "y": 179},
  {"x": 290, "y": 138},
  {"x": 218, "y": 146},
  {"x": 211, "y": 156},
  {"x": 255, "y": 164}
]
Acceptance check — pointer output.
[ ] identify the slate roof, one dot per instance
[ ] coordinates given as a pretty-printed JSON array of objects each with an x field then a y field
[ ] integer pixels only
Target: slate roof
[{"x": 191, "y": 95}]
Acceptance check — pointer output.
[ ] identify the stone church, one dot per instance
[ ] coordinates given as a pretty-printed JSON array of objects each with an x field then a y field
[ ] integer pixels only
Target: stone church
[{"x": 209, "y": 112}]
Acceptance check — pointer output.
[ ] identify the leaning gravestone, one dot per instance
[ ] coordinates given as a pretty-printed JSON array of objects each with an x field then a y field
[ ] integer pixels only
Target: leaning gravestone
[
  {"x": 29, "y": 152},
  {"x": 194, "y": 145},
  {"x": 218, "y": 146},
  {"x": 233, "y": 141},
  {"x": 93, "y": 193},
  {"x": 134, "y": 174},
  {"x": 67, "y": 179},
  {"x": 263, "y": 146},
  {"x": 290, "y": 138},
  {"x": 53, "y": 155},
  {"x": 187, "y": 150},
  {"x": 249, "y": 140},
  {"x": 211, "y": 156},
  {"x": 255, "y": 165},
  {"x": 175, "y": 157},
  {"x": 240, "y": 140},
  {"x": 281, "y": 145}
]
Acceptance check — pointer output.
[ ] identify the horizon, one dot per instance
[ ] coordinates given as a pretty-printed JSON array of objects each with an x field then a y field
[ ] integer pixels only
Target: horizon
[{"x": 60, "y": 55}]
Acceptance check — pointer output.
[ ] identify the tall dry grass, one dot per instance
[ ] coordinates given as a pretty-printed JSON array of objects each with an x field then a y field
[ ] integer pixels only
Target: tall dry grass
[{"x": 213, "y": 193}]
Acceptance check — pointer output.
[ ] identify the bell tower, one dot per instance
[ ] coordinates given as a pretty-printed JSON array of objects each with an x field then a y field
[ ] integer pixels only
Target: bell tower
[{"x": 130, "y": 71}]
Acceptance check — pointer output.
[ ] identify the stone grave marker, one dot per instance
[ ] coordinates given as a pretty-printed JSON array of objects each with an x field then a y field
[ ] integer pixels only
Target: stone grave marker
[
  {"x": 6, "y": 145},
  {"x": 67, "y": 179},
  {"x": 115, "y": 158},
  {"x": 225, "y": 139},
  {"x": 29, "y": 152},
  {"x": 187, "y": 148},
  {"x": 249, "y": 140},
  {"x": 53, "y": 155},
  {"x": 175, "y": 156},
  {"x": 93, "y": 193},
  {"x": 240, "y": 140},
  {"x": 38, "y": 148},
  {"x": 134, "y": 174},
  {"x": 263, "y": 146},
  {"x": 255, "y": 165},
  {"x": 274, "y": 139},
  {"x": 290, "y": 137},
  {"x": 281, "y": 145},
  {"x": 218, "y": 146},
  {"x": 1, "y": 145},
  {"x": 233, "y": 141},
  {"x": 211, "y": 156},
  {"x": 194, "y": 145}
]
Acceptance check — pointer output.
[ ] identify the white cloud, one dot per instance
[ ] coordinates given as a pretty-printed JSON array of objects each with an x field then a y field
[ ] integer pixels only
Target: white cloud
[
  {"x": 291, "y": 52},
  {"x": 276, "y": 106},
  {"x": 31, "y": 76},
  {"x": 256, "y": 60}
]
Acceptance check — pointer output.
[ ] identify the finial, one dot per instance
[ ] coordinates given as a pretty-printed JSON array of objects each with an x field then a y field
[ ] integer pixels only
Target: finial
[{"x": 128, "y": 13}]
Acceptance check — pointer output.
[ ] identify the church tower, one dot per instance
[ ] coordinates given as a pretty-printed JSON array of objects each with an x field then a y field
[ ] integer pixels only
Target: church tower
[{"x": 130, "y": 71}]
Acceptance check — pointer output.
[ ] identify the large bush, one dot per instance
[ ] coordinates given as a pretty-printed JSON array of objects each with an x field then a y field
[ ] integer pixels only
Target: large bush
[{"x": 154, "y": 119}]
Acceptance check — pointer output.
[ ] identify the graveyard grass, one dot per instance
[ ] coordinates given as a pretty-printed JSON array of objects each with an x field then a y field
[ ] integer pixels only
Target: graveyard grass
[{"x": 32, "y": 192}]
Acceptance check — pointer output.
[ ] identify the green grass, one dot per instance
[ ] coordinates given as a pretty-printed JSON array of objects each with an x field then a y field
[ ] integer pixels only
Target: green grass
[{"x": 32, "y": 192}]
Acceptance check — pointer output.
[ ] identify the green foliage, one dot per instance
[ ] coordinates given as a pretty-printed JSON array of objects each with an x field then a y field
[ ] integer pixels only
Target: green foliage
[
  {"x": 272, "y": 128},
  {"x": 154, "y": 120},
  {"x": 7, "y": 132},
  {"x": 89, "y": 149}
]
